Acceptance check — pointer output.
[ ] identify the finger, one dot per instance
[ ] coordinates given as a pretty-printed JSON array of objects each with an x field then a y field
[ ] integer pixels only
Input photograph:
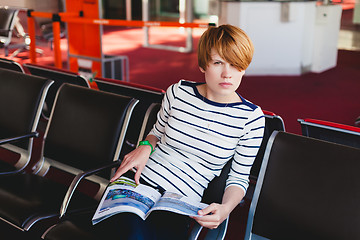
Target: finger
[
  {"x": 207, "y": 224},
  {"x": 137, "y": 175},
  {"x": 209, "y": 209},
  {"x": 205, "y": 218},
  {"x": 121, "y": 170},
  {"x": 115, "y": 177}
]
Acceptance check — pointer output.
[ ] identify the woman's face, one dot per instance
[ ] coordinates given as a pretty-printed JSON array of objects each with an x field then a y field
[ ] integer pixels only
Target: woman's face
[{"x": 222, "y": 79}]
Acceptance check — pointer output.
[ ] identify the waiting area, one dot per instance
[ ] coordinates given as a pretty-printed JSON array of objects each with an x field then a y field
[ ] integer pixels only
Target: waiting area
[{"x": 55, "y": 171}]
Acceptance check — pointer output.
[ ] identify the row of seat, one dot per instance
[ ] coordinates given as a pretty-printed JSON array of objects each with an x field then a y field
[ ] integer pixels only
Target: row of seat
[
  {"x": 149, "y": 100},
  {"x": 325, "y": 130},
  {"x": 307, "y": 189},
  {"x": 85, "y": 130},
  {"x": 330, "y": 131}
]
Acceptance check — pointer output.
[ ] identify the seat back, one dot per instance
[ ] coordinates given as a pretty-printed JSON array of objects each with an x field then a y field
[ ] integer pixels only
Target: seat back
[
  {"x": 307, "y": 189},
  {"x": 149, "y": 120},
  {"x": 21, "y": 100},
  {"x": 59, "y": 77},
  {"x": 215, "y": 190},
  {"x": 330, "y": 131},
  {"x": 11, "y": 65},
  {"x": 146, "y": 96},
  {"x": 86, "y": 129},
  {"x": 273, "y": 122}
]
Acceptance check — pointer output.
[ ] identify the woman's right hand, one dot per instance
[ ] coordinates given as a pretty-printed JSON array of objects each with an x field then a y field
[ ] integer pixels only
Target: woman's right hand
[{"x": 135, "y": 159}]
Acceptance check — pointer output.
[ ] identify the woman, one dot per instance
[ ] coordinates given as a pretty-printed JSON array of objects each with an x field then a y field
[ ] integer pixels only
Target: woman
[{"x": 199, "y": 128}]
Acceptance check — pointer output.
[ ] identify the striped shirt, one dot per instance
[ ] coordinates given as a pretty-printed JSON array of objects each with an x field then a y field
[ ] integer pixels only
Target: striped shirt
[{"x": 198, "y": 136}]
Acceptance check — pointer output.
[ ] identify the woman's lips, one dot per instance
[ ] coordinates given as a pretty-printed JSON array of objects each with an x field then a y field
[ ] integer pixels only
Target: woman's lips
[{"x": 225, "y": 84}]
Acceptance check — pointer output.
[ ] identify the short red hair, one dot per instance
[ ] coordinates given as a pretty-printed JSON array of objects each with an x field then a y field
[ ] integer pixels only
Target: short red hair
[{"x": 230, "y": 42}]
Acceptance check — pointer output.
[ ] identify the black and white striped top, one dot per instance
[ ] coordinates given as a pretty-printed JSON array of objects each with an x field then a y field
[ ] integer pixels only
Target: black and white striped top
[{"x": 198, "y": 136}]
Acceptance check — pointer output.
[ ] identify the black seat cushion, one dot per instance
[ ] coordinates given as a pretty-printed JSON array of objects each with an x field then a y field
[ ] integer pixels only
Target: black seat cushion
[
  {"x": 79, "y": 228},
  {"x": 24, "y": 195},
  {"x": 310, "y": 190}
]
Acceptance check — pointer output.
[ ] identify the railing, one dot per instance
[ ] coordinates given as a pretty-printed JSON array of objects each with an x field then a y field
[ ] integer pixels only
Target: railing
[{"x": 78, "y": 18}]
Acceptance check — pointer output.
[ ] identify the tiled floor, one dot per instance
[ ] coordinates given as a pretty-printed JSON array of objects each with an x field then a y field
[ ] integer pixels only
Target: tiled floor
[
  {"x": 349, "y": 35},
  {"x": 349, "y": 40}
]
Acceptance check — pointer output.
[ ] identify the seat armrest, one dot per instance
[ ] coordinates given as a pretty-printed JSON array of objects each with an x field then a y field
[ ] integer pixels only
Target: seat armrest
[
  {"x": 17, "y": 138},
  {"x": 21, "y": 170},
  {"x": 77, "y": 180},
  {"x": 195, "y": 231},
  {"x": 212, "y": 234},
  {"x": 219, "y": 232}
]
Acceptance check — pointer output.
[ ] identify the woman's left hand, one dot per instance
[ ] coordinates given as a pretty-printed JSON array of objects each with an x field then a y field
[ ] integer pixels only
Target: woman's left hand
[{"x": 212, "y": 216}]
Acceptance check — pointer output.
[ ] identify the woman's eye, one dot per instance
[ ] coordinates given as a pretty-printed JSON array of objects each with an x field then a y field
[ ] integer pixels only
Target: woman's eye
[{"x": 217, "y": 63}]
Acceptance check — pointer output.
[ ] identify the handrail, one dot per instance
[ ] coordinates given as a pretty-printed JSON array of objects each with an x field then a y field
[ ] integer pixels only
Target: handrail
[
  {"x": 17, "y": 138},
  {"x": 75, "y": 182},
  {"x": 332, "y": 124},
  {"x": 77, "y": 17},
  {"x": 133, "y": 23}
]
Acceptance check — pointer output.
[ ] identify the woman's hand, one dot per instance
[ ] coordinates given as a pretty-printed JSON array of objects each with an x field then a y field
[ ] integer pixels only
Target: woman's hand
[
  {"x": 213, "y": 215},
  {"x": 135, "y": 159}
]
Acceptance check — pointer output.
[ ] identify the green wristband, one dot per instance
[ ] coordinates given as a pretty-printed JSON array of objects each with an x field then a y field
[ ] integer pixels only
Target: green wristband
[{"x": 146, "y": 142}]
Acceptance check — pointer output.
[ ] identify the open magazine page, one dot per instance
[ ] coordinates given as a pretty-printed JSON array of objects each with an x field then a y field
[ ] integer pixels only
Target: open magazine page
[
  {"x": 177, "y": 203},
  {"x": 123, "y": 195}
]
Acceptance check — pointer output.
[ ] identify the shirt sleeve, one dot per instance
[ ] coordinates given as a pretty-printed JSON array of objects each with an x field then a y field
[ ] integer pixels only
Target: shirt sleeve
[
  {"x": 246, "y": 150},
  {"x": 163, "y": 115}
]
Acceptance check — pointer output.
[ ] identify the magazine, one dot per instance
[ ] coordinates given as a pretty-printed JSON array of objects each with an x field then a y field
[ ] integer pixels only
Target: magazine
[{"x": 124, "y": 195}]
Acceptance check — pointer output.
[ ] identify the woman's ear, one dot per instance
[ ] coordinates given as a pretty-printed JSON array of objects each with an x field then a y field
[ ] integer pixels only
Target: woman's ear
[{"x": 202, "y": 70}]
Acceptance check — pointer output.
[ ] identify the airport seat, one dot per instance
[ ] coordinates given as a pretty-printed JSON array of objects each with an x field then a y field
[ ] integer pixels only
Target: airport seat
[
  {"x": 307, "y": 189},
  {"x": 330, "y": 131},
  {"x": 78, "y": 226},
  {"x": 272, "y": 122},
  {"x": 59, "y": 76},
  {"x": 149, "y": 120},
  {"x": 84, "y": 136},
  {"x": 11, "y": 65},
  {"x": 8, "y": 18},
  {"x": 216, "y": 187},
  {"x": 9, "y": 23},
  {"x": 21, "y": 99},
  {"x": 46, "y": 31},
  {"x": 146, "y": 96},
  {"x": 213, "y": 194}
]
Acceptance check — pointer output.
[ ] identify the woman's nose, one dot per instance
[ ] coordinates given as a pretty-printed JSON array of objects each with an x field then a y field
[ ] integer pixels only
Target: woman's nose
[{"x": 226, "y": 72}]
